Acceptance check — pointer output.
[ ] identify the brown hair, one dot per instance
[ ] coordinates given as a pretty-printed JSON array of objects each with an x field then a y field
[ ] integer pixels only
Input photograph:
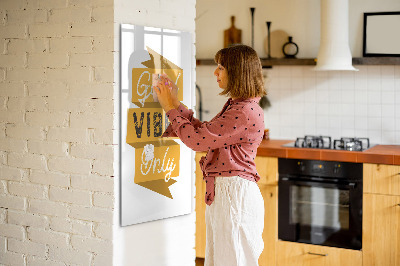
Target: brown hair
[{"x": 245, "y": 78}]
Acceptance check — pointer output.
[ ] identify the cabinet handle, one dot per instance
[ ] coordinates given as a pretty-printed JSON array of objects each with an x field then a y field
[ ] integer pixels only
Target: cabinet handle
[
  {"x": 398, "y": 204},
  {"x": 318, "y": 254}
]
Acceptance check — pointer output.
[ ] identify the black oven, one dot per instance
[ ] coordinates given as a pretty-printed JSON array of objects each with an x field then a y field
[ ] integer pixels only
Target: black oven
[{"x": 320, "y": 202}]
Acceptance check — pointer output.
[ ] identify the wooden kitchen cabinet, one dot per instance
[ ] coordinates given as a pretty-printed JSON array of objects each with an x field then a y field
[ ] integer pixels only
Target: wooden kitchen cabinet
[
  {"x": 381, "y": 179},
  {"x": 298, "y": 254},
  {"x": 381, "y": 215},
  {"x": 200, "y": 209},
  {"x": 267, "y": 167},
  {"x": 270, "y": 233}
]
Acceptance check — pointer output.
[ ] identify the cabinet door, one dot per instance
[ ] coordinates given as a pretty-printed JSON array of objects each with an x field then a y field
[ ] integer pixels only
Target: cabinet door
[
  {"x": 267, "y": 168},
  {"x": 381, "y": 179},
  {"x": 200, "y": 210},
  {"x": 381, "y": 230},
  {"x": 297, "y": 254},
  {"x": 270, "y": 233}
]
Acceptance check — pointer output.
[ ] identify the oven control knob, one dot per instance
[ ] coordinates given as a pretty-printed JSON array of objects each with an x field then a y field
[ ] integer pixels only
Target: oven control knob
[
  {"x": 336, "y": 169},
  {"x": 302, "y": 167}
]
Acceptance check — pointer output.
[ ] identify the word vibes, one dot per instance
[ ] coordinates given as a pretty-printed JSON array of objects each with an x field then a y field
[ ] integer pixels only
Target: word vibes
[{"x": 145, "y": 124}]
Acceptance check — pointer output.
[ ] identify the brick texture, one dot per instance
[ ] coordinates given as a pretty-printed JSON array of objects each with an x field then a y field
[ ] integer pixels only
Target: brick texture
[{"x": 56, "y": 121}]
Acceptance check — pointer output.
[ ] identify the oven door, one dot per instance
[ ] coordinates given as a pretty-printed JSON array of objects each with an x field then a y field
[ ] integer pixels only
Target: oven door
[{"x": 321, "y": 212}]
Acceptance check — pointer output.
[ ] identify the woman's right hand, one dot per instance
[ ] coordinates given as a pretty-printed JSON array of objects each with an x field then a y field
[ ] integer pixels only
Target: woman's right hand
[{"x": 174, "y": 89}]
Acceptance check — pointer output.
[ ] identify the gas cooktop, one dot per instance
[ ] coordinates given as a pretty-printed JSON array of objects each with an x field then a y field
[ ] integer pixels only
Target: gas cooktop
[{"x": 325, "y": 142}]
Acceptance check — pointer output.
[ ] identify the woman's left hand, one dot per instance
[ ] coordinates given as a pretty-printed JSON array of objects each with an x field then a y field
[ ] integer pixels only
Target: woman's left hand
[{"x": 163, "y": 91}]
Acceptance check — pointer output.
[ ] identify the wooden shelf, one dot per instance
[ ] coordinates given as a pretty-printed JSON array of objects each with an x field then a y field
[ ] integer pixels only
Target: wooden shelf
[
  {"x": 312, "y": 61},
  {"x": 376, "y": 61}
]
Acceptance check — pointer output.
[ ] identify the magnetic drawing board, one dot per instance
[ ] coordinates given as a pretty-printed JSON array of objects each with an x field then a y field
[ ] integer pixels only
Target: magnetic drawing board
[{"x": 156, "y": 172}]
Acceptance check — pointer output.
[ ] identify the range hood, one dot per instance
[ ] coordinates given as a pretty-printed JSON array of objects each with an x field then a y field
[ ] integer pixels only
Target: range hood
[{"x": 334, "y": 51}]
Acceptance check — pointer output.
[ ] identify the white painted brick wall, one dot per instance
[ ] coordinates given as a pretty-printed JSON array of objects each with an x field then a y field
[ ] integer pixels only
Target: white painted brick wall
[
  {"x": 56, "y": 121},
  {"x": 27, "y": 247}
]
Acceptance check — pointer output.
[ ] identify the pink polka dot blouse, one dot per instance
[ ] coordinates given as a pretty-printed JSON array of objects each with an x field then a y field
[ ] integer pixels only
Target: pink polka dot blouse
[{"x": 231, "y": 139}]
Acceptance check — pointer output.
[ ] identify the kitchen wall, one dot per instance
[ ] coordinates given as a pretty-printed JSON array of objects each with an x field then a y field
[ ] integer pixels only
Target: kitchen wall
[
  {"x": 169, "y": 241},
  {"x": 339, "y": 104},
  {"x": 56, "y": 121}
]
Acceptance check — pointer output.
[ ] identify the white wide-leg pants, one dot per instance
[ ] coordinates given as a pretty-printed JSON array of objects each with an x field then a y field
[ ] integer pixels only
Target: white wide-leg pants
[{"x": 234, "y": 223}]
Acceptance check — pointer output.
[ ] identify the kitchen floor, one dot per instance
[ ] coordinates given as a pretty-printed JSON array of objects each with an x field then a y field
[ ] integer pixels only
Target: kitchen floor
[{"x": 199, "y": 262}]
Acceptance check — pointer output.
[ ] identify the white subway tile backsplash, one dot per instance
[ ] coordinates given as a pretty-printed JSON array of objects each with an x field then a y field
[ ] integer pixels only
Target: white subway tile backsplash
[
  {"x": 348, "y": 133},
  {"x": 388, "y": 124},
  {"x": 397, "y": 72},
  {"x": 285, "y": 132},
  {"x": 322, "y": 95},
  {"x": 348, "y": 122},
  {"x": 360, "y": 97},
  {"x": 388, "y": 111},
  {"x": 335, "y": 122},
  {"x": 347, "y": 110},
  {"x": 322, "y": 121},
  {"x": 388, "y": 84},
  {"x": 361, "y": 110},
  {"x": 284, "y": 72},
  {"x": 335, "y": 95},
  {"x": 297, "y": 72},
  {"x": 388, "y": 97},
  {"x": 375, "y": 136},
  {"x": 297, "y": 83},
  {"x": 361, "y": 123},
  {"x": 338, "y": 104},
  {"x": 322, "y": 109},
  {"x": 374, "y": 111},
  {"x": 397, "y": 110},
  {"x": 374, "y": 97},
  {"x": 374, "y": 84},
  {"x": 387, "y": 72},
  {"x": 286, "y": 120},
  {"x": 373, "y": 70},
  {"x": 348, "y": 96},
  {"x": 308, "y": 72},
  {"x": 284, "y": 83},
  {"x": 374, "y": 123},
  {"x": 297, "y": 97},
  {"x": 389, "y": 136},
  {"x": 310, "y": 109},
  {"x": 310, "y": 95}
]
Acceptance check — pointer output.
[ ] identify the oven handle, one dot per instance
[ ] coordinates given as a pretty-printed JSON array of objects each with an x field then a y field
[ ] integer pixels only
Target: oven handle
[{"x": 298, "y": 181}]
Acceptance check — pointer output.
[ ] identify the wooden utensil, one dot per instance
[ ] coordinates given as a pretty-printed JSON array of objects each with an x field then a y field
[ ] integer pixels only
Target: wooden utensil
[{"x": 232, "y": 35}]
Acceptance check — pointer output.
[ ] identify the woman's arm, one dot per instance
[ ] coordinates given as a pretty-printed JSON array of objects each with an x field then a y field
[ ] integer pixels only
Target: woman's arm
[{"x": 228, "y": 129}]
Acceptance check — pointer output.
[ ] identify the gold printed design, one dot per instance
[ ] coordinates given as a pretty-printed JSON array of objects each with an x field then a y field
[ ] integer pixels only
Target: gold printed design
[
  {"x": 156, "y": 162},
  {"x": 156, "y": 159}
]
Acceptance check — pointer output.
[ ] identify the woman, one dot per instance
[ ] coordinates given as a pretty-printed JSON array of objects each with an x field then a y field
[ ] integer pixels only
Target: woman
[{"x": 235, "y": 207}]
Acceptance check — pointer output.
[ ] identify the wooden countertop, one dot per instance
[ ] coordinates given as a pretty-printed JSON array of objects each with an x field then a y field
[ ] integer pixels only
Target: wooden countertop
[{"x": 379, "y": 154}]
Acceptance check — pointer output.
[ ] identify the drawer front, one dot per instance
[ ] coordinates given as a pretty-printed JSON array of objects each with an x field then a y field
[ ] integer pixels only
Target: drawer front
[
  {"x": 293, "y": 254},
  {"x": 267, "y": 168},
  {"x": 381, "y": 179}
]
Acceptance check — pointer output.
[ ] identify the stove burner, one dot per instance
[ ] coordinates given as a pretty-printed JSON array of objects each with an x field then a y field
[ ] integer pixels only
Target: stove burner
[
  {"x": 351, "y": 144},
  {"x": 308, "y": 141},
  {"x": 324, "y": 142}
]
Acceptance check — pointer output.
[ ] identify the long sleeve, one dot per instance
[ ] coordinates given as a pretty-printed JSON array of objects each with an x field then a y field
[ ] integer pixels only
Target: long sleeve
[
  {"x": 186, "y": 113},
  {"x": 225, "y": 130}
]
